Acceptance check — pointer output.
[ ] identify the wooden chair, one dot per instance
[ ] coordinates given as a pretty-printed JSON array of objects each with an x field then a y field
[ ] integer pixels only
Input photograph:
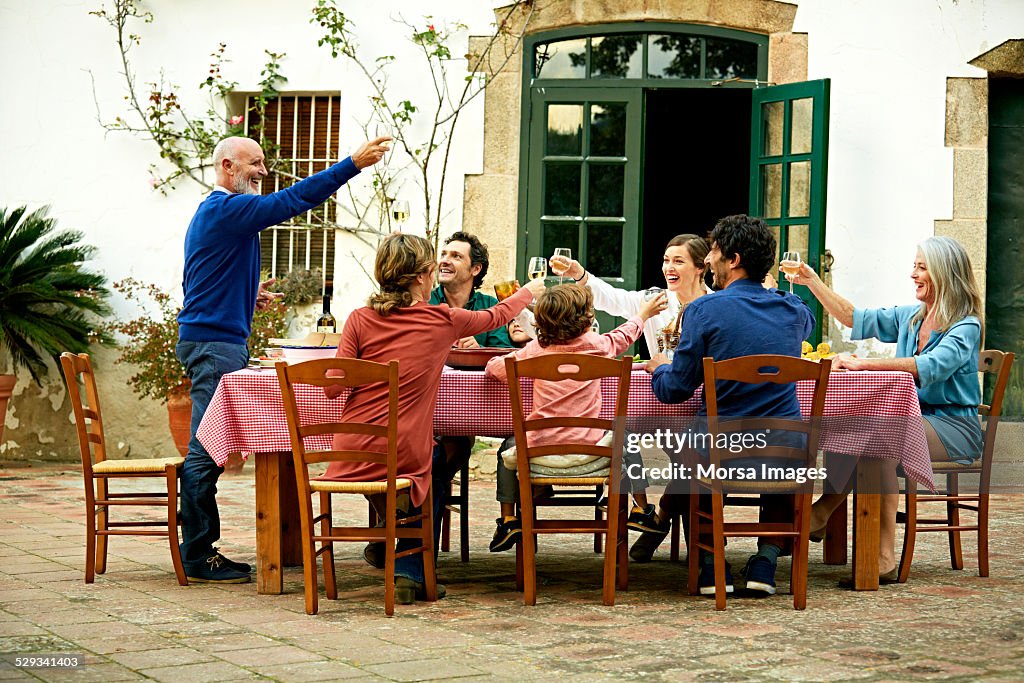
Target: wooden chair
[
  {"x": 992, "y": 362},
  {"x": 756, "y": 370},
  {"x": 349, "y": 372},
  {"x": 97, "y": 470},
  {"x": 458, "y": 503},
  {"x": 578, "y": 367}
]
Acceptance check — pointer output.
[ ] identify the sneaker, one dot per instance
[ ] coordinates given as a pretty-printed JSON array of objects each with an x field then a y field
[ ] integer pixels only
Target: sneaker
[
  {"x": 706, "y": 580},
  {"x": 647, "y": 520},
  {"x": 237, "y": 566},
  {"x": 214, "y": 570},
  {"x": 760, "y": 574},
  {"x": 644, "y": 547},
  {"x": 373, "y": 553},
  {"x": 408, "y": 591},
  {"x": 506, "y": 535}
]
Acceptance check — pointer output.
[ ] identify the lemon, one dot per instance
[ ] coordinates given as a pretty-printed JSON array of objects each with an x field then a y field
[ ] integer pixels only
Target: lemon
[
  {"x": 814, "y": 355},
  {"x": 823, "y": 348},
  {"x": 805, "y": 347}
]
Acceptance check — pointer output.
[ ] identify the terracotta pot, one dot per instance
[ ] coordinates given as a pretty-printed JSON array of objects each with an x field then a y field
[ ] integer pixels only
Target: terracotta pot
[
  {"x": 179, "y": 416},
  {"x": 6, "y": 389}
]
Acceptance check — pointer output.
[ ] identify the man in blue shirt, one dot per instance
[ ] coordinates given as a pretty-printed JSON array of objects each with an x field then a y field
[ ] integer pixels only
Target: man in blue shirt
[
  {"x": 742, "y": 318},
  {"x": 221, "y": 286}
]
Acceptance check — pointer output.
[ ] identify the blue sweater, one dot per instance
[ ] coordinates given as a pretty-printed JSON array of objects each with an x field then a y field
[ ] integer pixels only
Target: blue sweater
[
  {"x": 222, "y": 253},
  {"x": 741, "y": 320}
]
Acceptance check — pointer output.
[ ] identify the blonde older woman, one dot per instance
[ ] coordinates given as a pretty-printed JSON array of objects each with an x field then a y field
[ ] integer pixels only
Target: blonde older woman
[{"x": 937, "y": 341}]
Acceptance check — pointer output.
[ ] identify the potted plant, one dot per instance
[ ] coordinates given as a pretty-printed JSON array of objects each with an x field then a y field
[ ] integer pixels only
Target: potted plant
[
  {"x": 150, "y": 342},
  {"x": 303, "y": 291},
  {"x": 47, "y": 299}
]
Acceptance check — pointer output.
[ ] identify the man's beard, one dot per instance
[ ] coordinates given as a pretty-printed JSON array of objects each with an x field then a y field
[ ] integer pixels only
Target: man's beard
[{"x": 242, "y": 186}]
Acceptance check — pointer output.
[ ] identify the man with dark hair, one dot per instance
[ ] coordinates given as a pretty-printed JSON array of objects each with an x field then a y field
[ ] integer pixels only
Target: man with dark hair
[
  {"x": 461, "y": 268},
  {"x": 742, "y": 318}
]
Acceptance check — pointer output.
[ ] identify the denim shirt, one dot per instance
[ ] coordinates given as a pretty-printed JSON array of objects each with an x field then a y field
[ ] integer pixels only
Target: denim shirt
[
  {"x": 947, "y": 368},
  {"x": 741, "y": 320}
]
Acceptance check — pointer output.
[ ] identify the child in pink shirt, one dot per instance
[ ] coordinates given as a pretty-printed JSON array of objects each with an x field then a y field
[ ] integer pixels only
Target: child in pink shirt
[{"x": 564, "y": 315}]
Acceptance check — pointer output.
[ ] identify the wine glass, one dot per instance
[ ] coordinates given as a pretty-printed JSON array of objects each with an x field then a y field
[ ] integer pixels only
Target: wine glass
[
  {"x": 400, "y": 211},
  {"x": 538, "y": 268},
  {"x": 790, "y": 265},
  {"x": 565, "y": 253}
]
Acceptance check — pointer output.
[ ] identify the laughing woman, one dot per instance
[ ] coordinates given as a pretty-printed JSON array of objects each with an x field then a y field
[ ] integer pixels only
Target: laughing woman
[{"x": 937, "y": 341}]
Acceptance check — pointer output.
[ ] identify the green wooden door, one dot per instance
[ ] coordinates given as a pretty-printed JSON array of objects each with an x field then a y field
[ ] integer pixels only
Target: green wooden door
[
  {"x": 788, "y": 172},
  {"x": 584, "y": 179}
]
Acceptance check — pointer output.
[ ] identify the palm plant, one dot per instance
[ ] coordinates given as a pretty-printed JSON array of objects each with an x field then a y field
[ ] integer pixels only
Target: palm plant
[{"x": 47, "y": 300}]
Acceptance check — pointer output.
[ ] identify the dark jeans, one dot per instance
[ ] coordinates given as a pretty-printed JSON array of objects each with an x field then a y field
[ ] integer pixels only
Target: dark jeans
[
  {"x": 205, "y": 363},
  {"x": 411, "y": 566}
]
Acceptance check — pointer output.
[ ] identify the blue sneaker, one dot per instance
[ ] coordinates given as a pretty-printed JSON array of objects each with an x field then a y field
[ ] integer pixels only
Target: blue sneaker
[
  {"x": 706, "y": 580},
  {"x": 760, "y": 573}
]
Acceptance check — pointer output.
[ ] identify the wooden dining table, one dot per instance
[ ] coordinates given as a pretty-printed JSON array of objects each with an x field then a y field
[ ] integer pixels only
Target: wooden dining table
[{"x": 246, "y": 416}]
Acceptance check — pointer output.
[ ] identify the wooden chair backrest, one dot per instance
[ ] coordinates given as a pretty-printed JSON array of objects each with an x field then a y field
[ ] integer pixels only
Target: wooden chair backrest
[
  {"x": 559, "y": 367},
  {"x": 88, "y": 417},
  {"x": 759, "y": 369},
  {"x": 996, "y": 363},
  {"x": 346, "y": 372}
]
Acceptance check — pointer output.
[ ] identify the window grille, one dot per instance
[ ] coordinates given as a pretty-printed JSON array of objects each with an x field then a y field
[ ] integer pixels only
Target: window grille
[{"x": 300, "y": 137}]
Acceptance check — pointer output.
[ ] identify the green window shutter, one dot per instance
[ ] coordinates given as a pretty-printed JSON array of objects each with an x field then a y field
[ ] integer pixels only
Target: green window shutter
[{"x": 789, "y": 170}]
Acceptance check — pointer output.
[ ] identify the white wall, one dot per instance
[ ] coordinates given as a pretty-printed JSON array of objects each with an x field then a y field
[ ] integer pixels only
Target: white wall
[
  {"x": 890, "y": 175},
  {"x": 98, "y": 182}
]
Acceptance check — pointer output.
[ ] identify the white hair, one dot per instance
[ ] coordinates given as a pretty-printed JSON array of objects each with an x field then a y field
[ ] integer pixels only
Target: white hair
[{"x": 956, "y": 291}]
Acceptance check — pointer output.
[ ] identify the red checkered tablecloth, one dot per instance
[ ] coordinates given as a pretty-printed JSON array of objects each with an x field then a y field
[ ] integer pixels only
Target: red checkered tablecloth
[{"x": 872, "y": 414}]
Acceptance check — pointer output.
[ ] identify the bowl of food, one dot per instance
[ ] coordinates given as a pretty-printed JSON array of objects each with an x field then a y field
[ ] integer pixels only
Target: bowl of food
[
  {"x": 298, "y": 354},
  {"x": 474, "y": 359}
]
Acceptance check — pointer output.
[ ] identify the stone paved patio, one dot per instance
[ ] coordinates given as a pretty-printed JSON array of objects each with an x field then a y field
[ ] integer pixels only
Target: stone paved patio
[{"x": 136, "y": 623}]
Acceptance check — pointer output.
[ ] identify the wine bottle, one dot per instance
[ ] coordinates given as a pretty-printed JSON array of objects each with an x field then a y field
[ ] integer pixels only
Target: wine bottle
[{"x": 326, "y": 322}]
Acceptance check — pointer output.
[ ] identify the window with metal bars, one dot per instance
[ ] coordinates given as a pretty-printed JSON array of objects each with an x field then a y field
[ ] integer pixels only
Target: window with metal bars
[{"x": 300, "y": 137}]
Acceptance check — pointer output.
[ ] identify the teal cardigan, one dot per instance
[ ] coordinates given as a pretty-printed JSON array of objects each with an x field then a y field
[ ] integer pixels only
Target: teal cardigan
[{"x": 947, "y": 368}]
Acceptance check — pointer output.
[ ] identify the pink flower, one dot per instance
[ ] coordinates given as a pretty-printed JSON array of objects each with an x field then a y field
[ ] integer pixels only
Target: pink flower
[
  {"x": 431, "y": 28},
  {"x": 153, "y": 182},
  {"x": 236, "y": 120}
]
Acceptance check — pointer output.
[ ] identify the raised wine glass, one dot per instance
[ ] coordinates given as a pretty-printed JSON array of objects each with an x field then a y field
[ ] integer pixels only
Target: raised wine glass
[
  {"x": 566, "y": 253},
  {"x": 538, "y": 268},
  {"x": 400, "y": 211},
  {"x": 790, "y": 265}
]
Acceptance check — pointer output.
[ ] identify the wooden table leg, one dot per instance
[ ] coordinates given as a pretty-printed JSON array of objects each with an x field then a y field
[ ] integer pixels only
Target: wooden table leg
[
  {"x": 278, "y": 542},
  {"x": 866, "y": 521},
  {"x": 835, "y": 544},
  {"x": 835, "y": 537}
]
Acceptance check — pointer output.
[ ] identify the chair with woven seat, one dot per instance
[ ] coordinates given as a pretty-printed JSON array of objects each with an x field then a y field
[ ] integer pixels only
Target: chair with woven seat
[
  {"x": 578, "y": 491},
  {"x": 350, "y": 372},
  {"x": 757, "y": 369},
  {"x": 991, "y": 362},
  {"x": 98, "y": 470}
]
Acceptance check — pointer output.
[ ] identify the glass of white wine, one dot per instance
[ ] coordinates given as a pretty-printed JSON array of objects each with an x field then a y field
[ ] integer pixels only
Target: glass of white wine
[
  {"x": 538, "y": 268},
  {"x": 790, "y": 265},
  {"x": 400, "y": 211},
  {"x": 557, "y": 268}
]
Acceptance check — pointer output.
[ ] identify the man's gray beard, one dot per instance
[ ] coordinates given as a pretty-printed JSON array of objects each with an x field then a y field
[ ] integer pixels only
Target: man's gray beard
[{"x": 242, "y": 186}]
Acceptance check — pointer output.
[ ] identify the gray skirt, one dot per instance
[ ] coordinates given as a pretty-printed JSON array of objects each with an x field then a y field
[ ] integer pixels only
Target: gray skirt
[{"x": 960, "y": 435}]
